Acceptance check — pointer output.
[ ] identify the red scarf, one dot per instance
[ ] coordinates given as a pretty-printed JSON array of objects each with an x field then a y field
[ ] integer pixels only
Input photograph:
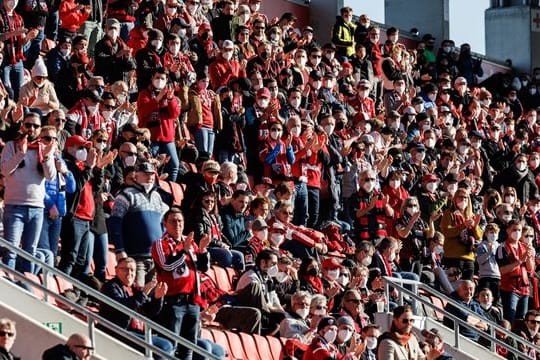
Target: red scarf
[
  {"x": 316, "y": 282},
  {"x": 14, "y": 46}
]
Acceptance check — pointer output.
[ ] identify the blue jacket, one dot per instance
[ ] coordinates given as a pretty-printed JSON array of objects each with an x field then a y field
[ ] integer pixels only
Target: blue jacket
[
  {"x": 234, "y": 227},
  {"x": 55, "y": 191},
  {"x": 472, "y": 306},
  {"x": 135, "y": 221}
]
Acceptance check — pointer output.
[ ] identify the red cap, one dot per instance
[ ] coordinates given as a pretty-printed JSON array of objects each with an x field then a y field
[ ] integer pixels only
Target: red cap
[
  {"x": 331, "y": 264},
  {"x": 263, "y": 92},
  {"x": 77, "y": 140},
  {"x": 429, "y": 178},
  {"x": 346, "y": 65}
]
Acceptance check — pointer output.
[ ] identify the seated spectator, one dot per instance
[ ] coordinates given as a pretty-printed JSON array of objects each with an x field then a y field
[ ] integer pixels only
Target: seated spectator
[
  {"x": 464, "y": 297},
  {"x": 77, "y": 347},
  {"x": 8, "y": 333},
  {"x": 322, "y": 346},
  {"x": 486, "y": 300},
  {"x": 353, "y": 307},
  {"x": 295, "y": 325},
  {"x": 528, "y": 328},
  {"x": 147, "y": 300},
  {"x": 370, "y": 335}
]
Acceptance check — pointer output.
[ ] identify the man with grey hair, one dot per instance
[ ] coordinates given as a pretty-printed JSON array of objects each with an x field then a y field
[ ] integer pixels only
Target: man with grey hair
[
  {"x": 295, "y": 325},
  {"x": 464, "y": 296}
]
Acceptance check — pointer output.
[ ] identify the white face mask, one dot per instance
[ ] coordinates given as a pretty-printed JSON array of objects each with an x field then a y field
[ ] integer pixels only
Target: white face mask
[
  {"x": 130, "y": 160},
  {"x": 431, "y": 187},
  {"x": 506, "y": 218},
  {"x": 452, "y": 188},
  {"x": 344, "y": 335},
  {"x": 272, "y": 271},
  {"x": 509, "y": 199},
  {"x": 261, "y": 234},
  {"x": 491, "y": 237},
  {"x": 394, "y": 184},
  {"x": 328, "y": 84},
  {"x": 295, "y": 131},
  {"x": 329, "y": 129},
  {"x": 276, "y": 239},
  {"x": 485, "y": 306},
  {"x": 192, "y": 8},
  {"x": 182, "y": 32},
  {"x": 485, "y": 102},
  {"x": 101, "y": 146},
  {"x": 263, "y": 103},
  {"x": 157, "y": 43},
  {"x": 81, "y": 154},
  {"x": 371, "y": 342},
  {"x": 159, "y": 84},
  {"x": 515, "y": 235},
  {"x": 395, "y": 125},
  {"x": 319, "y": 312},
  {"x": 281, "y": 276},
  {"x": 330, "y": 336},
  {"x": 175, "y": 49},
  {"x": 521, "y": 166},
  {"x": 303, "y": 313},
  {"x": 171, "y": 11},
  {"x": 107, "y": 114},
  {"x": 333, "y": 274},
  {"x": 227, "y": 55},
  {"x": 368, "y": 186},
  {"x": 255, "y": 7},
  {"x": 410, "y": 211},
  {"x": 476, "y": 144},
  {"x": 64, "y": 52},
  {"x": 147, "y": 186},
  {"x": 366, "y": 262},
  {"x": 121, "y": 99},
  {"x": 343, "y": 280},
  {"x": 432, "y": 97},
  {"x": 438, "y": 249},
  {"x": 92, "y": 109},
  {"x": 295, "y": 103},
  {"x": 112, "y": 33},
  {"x": 419, "y": 108},
  {"x": 363, "y": 282},
  {"x": 463, "y": 149},
  {"x": 275, "y": 135},
  {"x": 430, "y": 143}
]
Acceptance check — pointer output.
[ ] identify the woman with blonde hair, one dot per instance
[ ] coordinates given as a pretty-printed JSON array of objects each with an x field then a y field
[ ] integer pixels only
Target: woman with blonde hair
[{"x": 461, "y": 229}]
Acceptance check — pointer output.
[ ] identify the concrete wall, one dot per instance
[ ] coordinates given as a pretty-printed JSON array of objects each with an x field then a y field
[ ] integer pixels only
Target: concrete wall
[
  {"x": 323, "y": 17},
  {"x": 428, "y": 16},
  {"x": 508, "y": 35}
]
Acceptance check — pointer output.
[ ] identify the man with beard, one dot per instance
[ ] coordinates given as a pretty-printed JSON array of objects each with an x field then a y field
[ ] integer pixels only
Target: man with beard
[{"x": 26, "y": 164}]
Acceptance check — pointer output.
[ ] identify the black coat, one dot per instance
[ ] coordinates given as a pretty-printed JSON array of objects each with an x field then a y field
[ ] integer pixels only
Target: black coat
[{"x": 59, "y": 352}]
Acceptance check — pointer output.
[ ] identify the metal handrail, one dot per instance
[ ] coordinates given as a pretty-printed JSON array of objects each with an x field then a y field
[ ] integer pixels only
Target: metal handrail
[
  {"x": 458, "y": 322},
  {"x": 149, "y": 325}
]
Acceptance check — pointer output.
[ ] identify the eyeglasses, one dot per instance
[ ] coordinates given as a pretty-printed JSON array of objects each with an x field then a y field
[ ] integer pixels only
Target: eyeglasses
[
  {"x": 407, "y": 321},
  {"x": 355, "y": 301},
  {"x": 369, "y": 179},
  {"x": 49, "y": 138},
  {"x": 321, "y": 307},
  {"x": 108, "y": 107},
  {"x": 89, "y": 348},
  {"x": 529, "y": 237},
  {"x": 287, "y": 213},
  {"x": 30, "y": 126},
  {"x": 275, "y": 130},
  {"x": 410, "y": 206},
  {"x": 7, "y": 334}
]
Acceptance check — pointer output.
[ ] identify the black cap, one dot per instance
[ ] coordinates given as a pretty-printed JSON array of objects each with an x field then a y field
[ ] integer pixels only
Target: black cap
[
  {"x": 308, "y": 28},
  {"x": 329, "y": 75},
  {"x": 91, "y": 94},
  {"x": 146, "y": 167},
  {"x": 289, "y": 16},
  {"x": 329, "y": 46},
  {"x": 393, "y": 114},
  {"x": 477, "y": 134},
  {"x": 422, "y": 116},
  {"x": 285, "y": 71},
  {"x": 315, "y": 74},
  {"x": 132, "y": 128},
  {"x": 326, "y": 321},
  {"x": 451, "y": 178},
  {"x": 427, "y": 37}
]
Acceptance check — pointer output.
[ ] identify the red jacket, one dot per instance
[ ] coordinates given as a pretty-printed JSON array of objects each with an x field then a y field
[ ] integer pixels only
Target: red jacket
[
  {"x": 305, "y": 236},
  {"x": 159, "y": 117},
  {"x": 365, "y": 108},
  {"x": 320, "y": 349},
  {"x": 71, "y": 19},
  {"x": 222, "y": 71},
  {"x": 277, "y": 162},
  {"x": 137, "y": 40}
]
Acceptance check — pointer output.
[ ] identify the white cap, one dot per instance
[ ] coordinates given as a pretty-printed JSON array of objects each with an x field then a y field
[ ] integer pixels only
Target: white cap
[
  {"x": 39, "y": 68},
  {"x": 227, "y": 44}
]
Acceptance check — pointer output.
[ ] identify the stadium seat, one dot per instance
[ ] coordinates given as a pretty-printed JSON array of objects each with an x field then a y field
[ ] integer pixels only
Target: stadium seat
[
  {"x": 222, "y": 278},
  {"x": 276, "y": 347},
  {"x": 250, "y": 347},
  {"x": 440, "y": 304},
  {"x": 221, "y": 339},
  {"x": 263, "y": 348},
  {"x": 51, "y": 285},
  {"x": 34, "y": 278},
  {"x": 233, "y": 276},
  {"x": 63, "y": 284},
  {"x": 235, "y": 344}
]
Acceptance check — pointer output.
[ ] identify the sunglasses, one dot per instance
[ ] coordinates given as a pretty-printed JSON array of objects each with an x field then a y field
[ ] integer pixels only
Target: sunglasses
[
  {"x": 208, "y": 201},
  {"x": 316, "y": 56},
  {"x": 260, "y": 27},
  {"x": 101, "y": 141},
  {"x": 89, "y": 348},
  {"x": 108, "y": 107},
  {"x": 6, "y": 333},
  {"x": 30, "y": 126},
  {"x": 410, "y": 206},
  {"x": 49, "y": 138}
]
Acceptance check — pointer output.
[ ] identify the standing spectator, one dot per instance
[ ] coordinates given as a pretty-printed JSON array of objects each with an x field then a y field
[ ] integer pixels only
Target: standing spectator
[
  {"x": 134, "y": 224},
  {"x": 72, "y": 16},
  {"x": 55, "y": 196},
  {"x": 515, "y": 260},
  {"x": 84, "y": 117},
  {"x": 91, "y": 28},
  {"x": 343, "y": 33},
  {"x": 25, "y": 165},
  {"x": 57, "y": 59},
  {"x": 77, "y": 347},
  {"x": 488, "y": 269},
  {"x": 8, "y": 334},
  {"x": 158, "y": 111},
  {"x": 112, "y": 56},
  {"x": 225, "y": 67},
  {"x": 177, "y": 260}
]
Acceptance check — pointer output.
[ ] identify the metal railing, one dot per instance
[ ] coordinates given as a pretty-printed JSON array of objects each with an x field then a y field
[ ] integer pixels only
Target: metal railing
[
  {"x": 93, "y": 318},
  {"x": 397, "y": 283}
]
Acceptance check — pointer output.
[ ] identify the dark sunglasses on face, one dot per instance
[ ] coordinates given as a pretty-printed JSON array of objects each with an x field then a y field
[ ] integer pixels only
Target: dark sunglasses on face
[
  {"x": 30, "y": 126},
  {"x": 101, "y": 141},
  {"x": 6, "y": 333},
  {"x": 49, "y": 138},
  {"x": 109, "y": 107}
]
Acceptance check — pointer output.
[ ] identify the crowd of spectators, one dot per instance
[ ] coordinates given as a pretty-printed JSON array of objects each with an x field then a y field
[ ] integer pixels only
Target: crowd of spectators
[{"x": 181, "y": 134}]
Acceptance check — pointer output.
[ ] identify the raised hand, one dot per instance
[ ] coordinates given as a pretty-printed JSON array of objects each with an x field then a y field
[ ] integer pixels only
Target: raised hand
[{"x": 161, "y": 290}]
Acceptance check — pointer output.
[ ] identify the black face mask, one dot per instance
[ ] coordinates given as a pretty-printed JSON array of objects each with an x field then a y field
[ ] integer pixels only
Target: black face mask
[
  {"x": 205, "y": 36},
  {"x": 313, "y": 272},
  {"x": 133, "y": 140},
  {"x": 397, "y": 161},
  {"x": 340, "y": 125},
  {"x": 265, "y": 55}
]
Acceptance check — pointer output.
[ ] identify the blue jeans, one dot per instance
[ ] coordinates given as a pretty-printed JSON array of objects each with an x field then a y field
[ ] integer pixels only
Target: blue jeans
[
  {"x": 159, "y": 342},
  {"x": 313, "y": 206},
  {"x": 227, "y": 258},
  {"x": 44, "y": 255},
  {"x": 22, "y": 225},
  {"x": 77, "y": 247},
  {"x": 300, "y": 204},
  {"x": 204, "y": 140},
  {"x": 50, "y": 233},
  {"x": 13, "y": 77},
  {"x": 101, "y": 246},
  {"x": 211, "y": 347},
  {"x": 51, "y": 27},
  {"x": 182, "y": 319},
  {"x": 168, "y": 148},
  {"x": 514, "y": 306}
]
